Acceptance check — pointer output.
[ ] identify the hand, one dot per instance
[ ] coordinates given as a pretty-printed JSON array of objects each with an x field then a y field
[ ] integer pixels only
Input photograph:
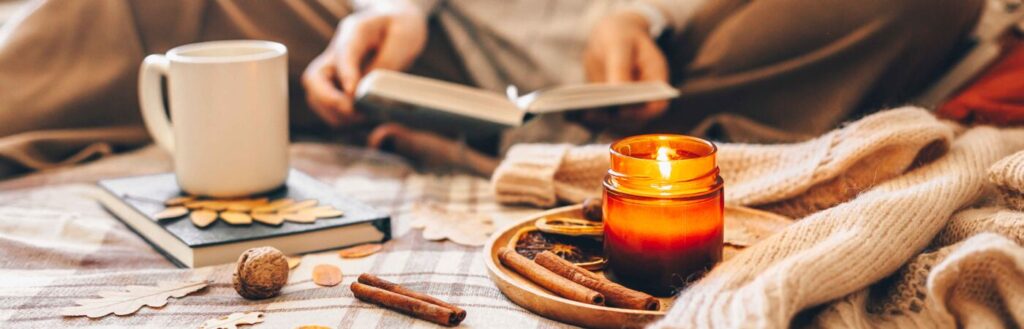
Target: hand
[
  {"x": 620, "y": 49},
  {"x": 364, "y": 41}
]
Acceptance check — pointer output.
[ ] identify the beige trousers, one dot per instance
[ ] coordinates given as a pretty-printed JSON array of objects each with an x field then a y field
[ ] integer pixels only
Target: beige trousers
[
  {"x": 805, "y": 66},
  {"x": 68, "y": 68}
]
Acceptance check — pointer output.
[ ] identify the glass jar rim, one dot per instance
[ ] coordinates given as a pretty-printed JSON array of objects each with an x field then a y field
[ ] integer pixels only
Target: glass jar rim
[
  {"x": 711, "y": 148},
  {"x": 663, "y": 165}
]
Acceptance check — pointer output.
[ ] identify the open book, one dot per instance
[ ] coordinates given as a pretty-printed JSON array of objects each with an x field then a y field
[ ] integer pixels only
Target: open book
[{"x": 439, "y": 105}]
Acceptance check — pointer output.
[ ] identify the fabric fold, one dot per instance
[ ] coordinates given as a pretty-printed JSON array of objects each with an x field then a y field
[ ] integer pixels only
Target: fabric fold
[
  {"x": 769, "y": 283},
  {"x": 1008, "y": 177},
  {"x": 527, "y": 176},
  {"x": 792, "y": 179}
]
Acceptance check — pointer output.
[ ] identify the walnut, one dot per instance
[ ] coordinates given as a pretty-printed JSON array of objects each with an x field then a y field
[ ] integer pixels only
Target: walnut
[
  {"x": 592, "y": 209},
  {"x": 260, "y": 273}
]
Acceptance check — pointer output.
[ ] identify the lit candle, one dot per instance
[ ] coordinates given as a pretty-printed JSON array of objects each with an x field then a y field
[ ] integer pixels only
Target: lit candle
[{"x": 663, "y": 210}]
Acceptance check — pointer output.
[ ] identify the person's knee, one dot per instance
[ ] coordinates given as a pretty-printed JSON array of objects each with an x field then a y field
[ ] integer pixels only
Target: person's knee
[
  {"x": 772, "y": 33},
  {"x": 949, "y": 18}
]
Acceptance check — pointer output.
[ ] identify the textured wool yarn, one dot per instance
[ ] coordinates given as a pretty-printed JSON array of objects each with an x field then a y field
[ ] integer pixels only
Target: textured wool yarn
[{"x": 890, "y": 238}]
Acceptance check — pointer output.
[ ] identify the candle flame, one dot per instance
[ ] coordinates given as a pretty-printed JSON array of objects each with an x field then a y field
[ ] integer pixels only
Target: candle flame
[{"x": 664, "y": 166}]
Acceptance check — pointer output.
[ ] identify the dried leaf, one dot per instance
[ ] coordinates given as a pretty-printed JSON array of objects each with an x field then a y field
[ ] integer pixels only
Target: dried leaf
[
  {"x": 233, "y": 320},
  {"x": 274, "y": 205},
  {"x": 268, "y": 218},
  {"x": 299, "y": 217},
  {"x": 236, "y": 218},
  {"x": 196, "y": 204},
  {"x": 465, "y": 228},
  {"x": 128, "y": 302},
  {"x": 239, "y": 207},
  {"x": 360, "y": 251},
  {"x": 178, "y": 201},
  {"x": 326, "y": 275},
  {"x": 215, "y": 205},
  {"x": 172, "y": 212},
  {"x": 246, "y": 205},
  {"x": 203, "y": 218},
  {"x": 323, "y": 212},
  {"x": 299, "y": 206},
  {"x": 293, "y": 262}
]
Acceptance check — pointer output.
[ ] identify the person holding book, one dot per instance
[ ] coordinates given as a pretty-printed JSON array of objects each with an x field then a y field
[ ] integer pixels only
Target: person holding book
[
  {"x": 69, "y": 68},
  {"x": 801, "y": 67}
]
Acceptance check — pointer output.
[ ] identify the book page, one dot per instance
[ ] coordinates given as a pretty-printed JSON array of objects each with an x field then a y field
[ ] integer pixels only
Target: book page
[
  {"x": 586, "y": 96},
  {"x": 441, "y": 96}
]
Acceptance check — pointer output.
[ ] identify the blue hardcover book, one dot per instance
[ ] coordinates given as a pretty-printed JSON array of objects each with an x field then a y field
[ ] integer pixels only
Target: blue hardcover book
[{"x": 135, "y": 200}]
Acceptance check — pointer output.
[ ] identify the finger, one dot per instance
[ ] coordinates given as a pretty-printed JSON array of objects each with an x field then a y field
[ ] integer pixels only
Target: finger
[
  {"x": 331, "y": 103},
  {"x": 618, "y": 64},
  {"x": 592, "y": 67},
  {"x": 356, "y": 41},
  {"x": 322, "y": 95},
  {"x": 650, "y": 62},
  {"x": 395, "y": 49}
]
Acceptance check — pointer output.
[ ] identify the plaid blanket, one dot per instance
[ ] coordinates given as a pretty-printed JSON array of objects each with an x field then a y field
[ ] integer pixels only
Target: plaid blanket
[{"x": 58, "y": 245}]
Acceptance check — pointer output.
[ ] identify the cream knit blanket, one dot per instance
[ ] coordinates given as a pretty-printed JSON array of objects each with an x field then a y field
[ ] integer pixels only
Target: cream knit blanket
[{"x": 891, "y": 237}]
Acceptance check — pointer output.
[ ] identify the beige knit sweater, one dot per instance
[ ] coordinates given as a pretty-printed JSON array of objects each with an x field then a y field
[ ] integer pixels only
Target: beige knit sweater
[{"x": 885, "y": 243}]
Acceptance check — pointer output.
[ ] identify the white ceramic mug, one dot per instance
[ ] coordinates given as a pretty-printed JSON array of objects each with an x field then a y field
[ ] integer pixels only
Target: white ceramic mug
[{"x": 229, "y": 107}]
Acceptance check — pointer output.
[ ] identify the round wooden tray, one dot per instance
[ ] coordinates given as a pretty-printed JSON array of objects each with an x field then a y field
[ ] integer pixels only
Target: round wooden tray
[{"x": 538, "y": 300}]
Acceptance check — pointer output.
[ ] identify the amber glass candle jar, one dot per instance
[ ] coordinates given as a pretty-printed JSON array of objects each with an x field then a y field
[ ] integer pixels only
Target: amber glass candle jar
[{"x": 663, "y": 212}]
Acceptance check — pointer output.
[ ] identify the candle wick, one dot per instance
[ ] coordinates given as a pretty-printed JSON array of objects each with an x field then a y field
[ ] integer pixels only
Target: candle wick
[{"x": 664, "y": 166}]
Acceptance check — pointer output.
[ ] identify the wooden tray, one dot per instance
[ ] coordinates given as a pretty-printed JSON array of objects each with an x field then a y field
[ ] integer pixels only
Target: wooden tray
[
  {"x": 743, "y": 227},
  {"x": 538, "y": 300}
]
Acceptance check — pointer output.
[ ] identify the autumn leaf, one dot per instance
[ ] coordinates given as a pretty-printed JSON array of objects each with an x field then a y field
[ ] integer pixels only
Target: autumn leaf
[
  {"x": 233, "y": 320},
  {"x": 438, "y": 223},
  {"x": 130, "y": 301},
  {"x": 360, "y": 251}
]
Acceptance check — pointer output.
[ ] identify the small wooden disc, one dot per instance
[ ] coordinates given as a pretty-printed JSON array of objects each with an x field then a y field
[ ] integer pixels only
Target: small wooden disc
[
  {"x": 326, "y": 275},
  {"x": 360, "y": 251},
  {"x": 299, "y": 206},
  {"x": 195, "y": 204},
  {"x": 323, "y": 212},
  {"x": 239, "y": 207},
  {"x": 274, "y": 205},
  {"x": 236, "y": 218},
  {"x": 203, "y": 217},
  {"x": 299, "y": 217},
  {"x": 172, "y": 212},
  {"x": 268, "y": 218},
  {"x": 215, "y": 205},
  {"x": 179, "y": 201}
]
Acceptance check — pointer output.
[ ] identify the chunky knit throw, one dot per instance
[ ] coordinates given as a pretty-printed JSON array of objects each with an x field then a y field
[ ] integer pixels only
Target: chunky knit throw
[{"x": 890, "y": 237}]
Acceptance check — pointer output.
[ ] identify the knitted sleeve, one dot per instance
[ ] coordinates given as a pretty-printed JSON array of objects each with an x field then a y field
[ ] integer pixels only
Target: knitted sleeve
[
  {"x": 542, "y": 174},
  {"x": 793, "y": 179},
  {"x": 1008, "y": 176},
  {"x": 825, "y": 256}
]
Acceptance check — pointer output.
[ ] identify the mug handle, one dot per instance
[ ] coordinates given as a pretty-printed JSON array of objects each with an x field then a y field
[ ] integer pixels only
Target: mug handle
[{"x": 151, "y": 99}]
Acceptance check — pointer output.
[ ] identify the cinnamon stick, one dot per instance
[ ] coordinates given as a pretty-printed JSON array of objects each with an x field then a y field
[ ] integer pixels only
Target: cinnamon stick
[
  {"x": 417, "y": 308},
  {"x": 374, "y": 281},
  {"x": 548, "y": 279},
  {"x": 616, "y": 294}
]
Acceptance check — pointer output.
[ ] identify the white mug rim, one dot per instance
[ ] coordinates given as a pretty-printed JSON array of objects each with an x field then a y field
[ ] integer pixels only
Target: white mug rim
[{"x": 271, "y": 50}]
